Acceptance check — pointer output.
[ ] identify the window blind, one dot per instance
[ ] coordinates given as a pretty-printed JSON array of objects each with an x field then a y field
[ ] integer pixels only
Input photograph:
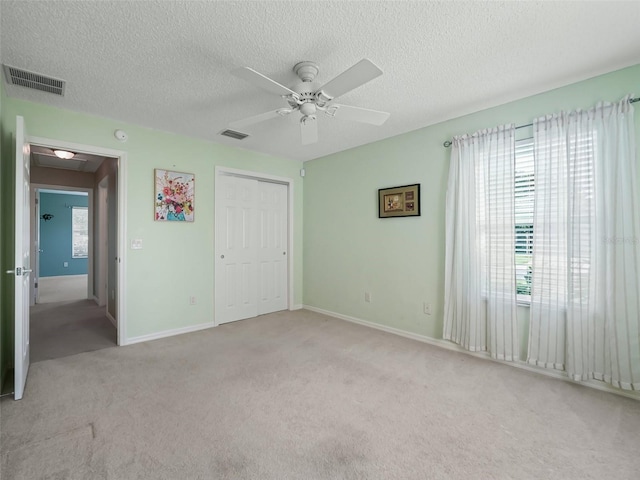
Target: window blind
[
  {"x": 80, "y": 232},
  {"x": 523, "y": 210},
  {"x": 564, "y": 214}
]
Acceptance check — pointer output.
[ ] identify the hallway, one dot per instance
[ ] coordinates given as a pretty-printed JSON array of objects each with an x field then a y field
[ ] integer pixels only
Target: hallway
[{"x": 62, "y": 329}]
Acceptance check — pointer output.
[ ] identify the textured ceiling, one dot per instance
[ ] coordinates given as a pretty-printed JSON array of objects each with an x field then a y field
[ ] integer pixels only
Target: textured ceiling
[{"x": 166, "y": 64}]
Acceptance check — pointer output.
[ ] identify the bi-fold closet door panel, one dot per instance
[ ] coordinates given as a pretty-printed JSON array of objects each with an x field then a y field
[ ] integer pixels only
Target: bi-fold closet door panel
[
  {"x": 251, "y": 248},
  {"x": 272, "y": 249}
]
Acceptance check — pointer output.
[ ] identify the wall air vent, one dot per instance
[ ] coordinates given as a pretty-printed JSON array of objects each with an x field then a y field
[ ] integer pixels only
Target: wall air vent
[
  {"x": 16, "y": 76},
  {"x": 234, "y": 134}
]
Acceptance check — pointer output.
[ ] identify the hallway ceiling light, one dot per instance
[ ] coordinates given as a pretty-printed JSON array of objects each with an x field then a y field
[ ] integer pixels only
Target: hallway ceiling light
[{"x": 64, "y": 154}]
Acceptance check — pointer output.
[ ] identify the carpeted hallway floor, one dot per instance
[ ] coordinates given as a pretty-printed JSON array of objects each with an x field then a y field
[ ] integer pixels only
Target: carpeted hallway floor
[
  {"x": 62, "y": 329},
  {"x": 64, "y": 288},
  {"x": 297, "y": 395}
]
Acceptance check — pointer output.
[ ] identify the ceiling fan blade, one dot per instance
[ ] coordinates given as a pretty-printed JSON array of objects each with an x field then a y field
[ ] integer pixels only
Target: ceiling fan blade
[
  {"x": 362, "y": 72},
  {"x": 309, "y": 130},
  {"x": 357, "y": 114},
  {"x": 262, "y": 81},
  {"x": 245, "y": 122}
]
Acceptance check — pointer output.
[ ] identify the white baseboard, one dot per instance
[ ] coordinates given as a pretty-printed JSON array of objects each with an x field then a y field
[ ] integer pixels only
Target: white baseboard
[
  {"x": 296, "y": 307},
  {"x": 483, "y": 355},
  {"x": 168, "y": 333},
  {"x": 385, "y": 328},
  {"x": 112, "y": 320}
]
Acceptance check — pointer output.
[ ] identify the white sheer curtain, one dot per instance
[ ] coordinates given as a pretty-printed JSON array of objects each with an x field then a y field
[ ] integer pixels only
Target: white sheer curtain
[
  {"x": 585, "y": 299},
  {"x": 480, "y": 294}
]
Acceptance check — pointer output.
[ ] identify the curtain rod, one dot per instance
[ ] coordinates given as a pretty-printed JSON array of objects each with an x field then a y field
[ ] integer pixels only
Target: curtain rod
[{"x": 448, "y": 143}]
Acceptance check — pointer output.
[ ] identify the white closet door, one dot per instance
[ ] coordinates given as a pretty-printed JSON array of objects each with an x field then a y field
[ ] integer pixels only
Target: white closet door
[
  {"x": 236, "y": 247},
  {"x": 251, "y": 248},
  {"x": 272, "y": 247}
]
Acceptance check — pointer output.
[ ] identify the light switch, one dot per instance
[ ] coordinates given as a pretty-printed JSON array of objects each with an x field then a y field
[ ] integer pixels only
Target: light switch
[{"x": 136, "y": 244}]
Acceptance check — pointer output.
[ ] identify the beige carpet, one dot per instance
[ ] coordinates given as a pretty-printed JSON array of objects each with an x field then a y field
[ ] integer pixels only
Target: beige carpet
[
  {"x": 297, "y": 395},
  {"x": 62, "y": 329},
  {"x": 62, "y": 288}
]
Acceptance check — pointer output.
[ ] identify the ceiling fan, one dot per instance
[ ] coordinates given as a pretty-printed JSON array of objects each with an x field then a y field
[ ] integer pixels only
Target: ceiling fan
[{"x": 308, "y": 98}]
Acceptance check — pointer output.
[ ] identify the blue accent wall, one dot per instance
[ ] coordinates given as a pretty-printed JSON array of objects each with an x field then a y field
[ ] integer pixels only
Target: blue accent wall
[{"x": 56, "y": 237}]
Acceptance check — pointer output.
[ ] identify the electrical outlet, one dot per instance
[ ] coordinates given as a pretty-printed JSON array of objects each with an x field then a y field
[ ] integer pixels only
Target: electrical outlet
[
  {"x": 367, "y": 297},
  {"x": 192, "y": 300},
  {"x": 65, "y": 264},
  {"x": 426, "y": 307}
]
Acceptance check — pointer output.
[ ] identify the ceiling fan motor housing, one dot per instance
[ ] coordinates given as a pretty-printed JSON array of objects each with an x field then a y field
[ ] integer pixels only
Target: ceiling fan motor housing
[{"x": 306, "y": 97}]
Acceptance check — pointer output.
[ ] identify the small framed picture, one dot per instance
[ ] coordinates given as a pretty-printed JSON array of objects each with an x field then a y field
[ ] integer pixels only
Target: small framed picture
[
  {"x": 401, "y": 201},
  {"x": 174, "y": 196}
]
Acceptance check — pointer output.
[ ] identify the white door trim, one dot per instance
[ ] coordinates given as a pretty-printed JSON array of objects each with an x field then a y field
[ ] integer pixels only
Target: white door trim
[
  {"x": 101, "y": 241},
  {"x": 121, "y": 271},
  {"x": 34, "y": 216},
  {"x": 290, "y": 222}
]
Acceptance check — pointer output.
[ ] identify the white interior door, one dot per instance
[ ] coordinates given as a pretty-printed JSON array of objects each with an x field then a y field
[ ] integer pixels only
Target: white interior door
[
  {"x": 272, "y": 249},
  {"x": 251, "y": 248},
  {"x": 236, "y": 242},
  {"x": 22, "y": 260}
]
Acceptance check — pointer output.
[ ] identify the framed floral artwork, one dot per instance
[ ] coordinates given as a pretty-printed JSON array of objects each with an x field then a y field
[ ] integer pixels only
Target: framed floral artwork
[{"x": 174, "y": 196}]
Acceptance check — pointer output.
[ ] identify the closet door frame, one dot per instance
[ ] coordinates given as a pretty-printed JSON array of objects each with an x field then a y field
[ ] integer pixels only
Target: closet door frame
[{"x": 226, "y": 171}]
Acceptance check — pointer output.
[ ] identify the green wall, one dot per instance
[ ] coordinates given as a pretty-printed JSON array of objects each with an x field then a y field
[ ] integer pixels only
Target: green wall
[
  {"x": 400, "y": 261},
  {"x": 177, "y": 260},
  {"x": 3, "y": 300},
  {"x": 6, "y": 240}
]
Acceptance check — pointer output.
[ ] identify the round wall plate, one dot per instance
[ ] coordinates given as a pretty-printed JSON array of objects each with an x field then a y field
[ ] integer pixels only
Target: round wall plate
[{"x": 121, "y": 135}]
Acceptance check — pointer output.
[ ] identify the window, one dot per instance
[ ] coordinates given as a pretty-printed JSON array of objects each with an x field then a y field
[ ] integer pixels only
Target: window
[
  {"x": 523, "y": 206},
  {"x": 80, "y": 232},
  {"x": 580, "y": 178}
]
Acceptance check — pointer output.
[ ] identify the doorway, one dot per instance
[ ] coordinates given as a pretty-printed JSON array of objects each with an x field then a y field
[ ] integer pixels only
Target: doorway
[
  {"x": 77, "y": 192},
  {"x": 62, "y": 220}
]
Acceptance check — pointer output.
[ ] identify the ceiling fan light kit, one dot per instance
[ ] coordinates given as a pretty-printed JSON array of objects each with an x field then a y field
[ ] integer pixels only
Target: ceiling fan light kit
[{"x": 307, "y": 98}]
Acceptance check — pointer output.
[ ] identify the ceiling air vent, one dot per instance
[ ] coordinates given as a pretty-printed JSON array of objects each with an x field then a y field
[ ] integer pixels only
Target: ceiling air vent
[
  {"x": 16, "y": 76},
  {"x": 234, "y": 134}
]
